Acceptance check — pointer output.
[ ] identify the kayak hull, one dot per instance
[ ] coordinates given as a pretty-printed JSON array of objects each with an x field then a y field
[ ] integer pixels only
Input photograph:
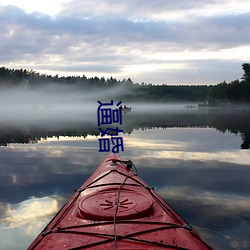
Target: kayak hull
[{"x": 116, "y": 209}]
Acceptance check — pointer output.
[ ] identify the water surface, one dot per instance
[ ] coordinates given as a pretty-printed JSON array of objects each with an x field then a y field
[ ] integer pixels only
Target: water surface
[{"x": 193, "y": 158}]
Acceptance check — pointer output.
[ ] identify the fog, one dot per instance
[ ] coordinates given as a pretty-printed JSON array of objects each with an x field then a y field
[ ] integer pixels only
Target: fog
[
  {"x": 61, "y": 102},
  {"x": 55, "y": 102}
]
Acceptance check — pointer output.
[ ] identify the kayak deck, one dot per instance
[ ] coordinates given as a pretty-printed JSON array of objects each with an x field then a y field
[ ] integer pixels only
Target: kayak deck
[{"x": 116, "y": 209}]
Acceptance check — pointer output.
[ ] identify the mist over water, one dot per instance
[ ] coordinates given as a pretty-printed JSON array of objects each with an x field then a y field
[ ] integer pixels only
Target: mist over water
[
  {"x": 44, "y": 103},
  {"x": 61, "y": 102}
]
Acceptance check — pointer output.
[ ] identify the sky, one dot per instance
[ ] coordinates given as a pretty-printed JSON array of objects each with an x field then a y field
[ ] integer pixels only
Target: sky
[{"x": 159, "y": 42}]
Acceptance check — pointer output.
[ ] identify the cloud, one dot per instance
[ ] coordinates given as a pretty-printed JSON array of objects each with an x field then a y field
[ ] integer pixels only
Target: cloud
[
  {"x": 147, "y": 9},
  {"x": 115, "y": 38},
  {"x": 115, "y": 30}
]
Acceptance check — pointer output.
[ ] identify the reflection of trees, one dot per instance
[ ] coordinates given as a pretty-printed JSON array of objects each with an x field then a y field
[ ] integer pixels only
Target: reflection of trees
[
  {"x": 16, "y": 137},
  {"x": 35, "y": 133},
  {"x": 246, "y": 141},
  {"x": 233, "y": 121}
]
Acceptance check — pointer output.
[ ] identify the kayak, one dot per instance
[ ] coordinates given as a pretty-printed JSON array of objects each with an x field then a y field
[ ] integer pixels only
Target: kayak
[{"x": 116, "y": 209}]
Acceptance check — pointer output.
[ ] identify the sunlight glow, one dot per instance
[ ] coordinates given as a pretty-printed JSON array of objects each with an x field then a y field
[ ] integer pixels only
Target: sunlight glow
[{"x": 226, "y": 54}]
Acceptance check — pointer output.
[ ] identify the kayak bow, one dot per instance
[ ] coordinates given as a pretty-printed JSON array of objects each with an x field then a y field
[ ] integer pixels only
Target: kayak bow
[{"x": 116, "y": 209}]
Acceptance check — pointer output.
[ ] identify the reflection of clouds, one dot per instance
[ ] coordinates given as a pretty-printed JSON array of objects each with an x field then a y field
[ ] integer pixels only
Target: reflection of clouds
[
  {"x": 206, "y": 181},
  {"x": 186, "y": 139},
  {"x": 203, "y": 173},
  {"x": 222, "y": 219},
  {"x": 154, "y": 144},
  {"x": 236, "y": 156},
  {"x": 22, "y": 222},
  {"x": 228, "y": 203},
  {"x": 172, "y": 143},
  {"x": 59, "y": 157},
  {"x": 226, "y": 240},
  {"x": 29, "y": 212},
  {"x": 203, "y": 144}
]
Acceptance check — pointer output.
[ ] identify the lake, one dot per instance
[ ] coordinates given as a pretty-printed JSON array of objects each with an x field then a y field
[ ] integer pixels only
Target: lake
[{"x": 198, "y": 160}]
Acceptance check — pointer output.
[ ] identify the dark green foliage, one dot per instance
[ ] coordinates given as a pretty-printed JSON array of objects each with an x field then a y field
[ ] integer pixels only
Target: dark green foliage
[
  {"x": 246, "y": 69},
  {"x": 222, "y": 93},
  {"x": 234, "y": 92}
]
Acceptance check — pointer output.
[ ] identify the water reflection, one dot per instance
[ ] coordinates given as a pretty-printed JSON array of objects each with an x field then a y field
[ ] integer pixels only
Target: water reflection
[
  {"x": 233, "y": 121},
  {"x": 20, "y": 222},
  {"x": 31, "y": 210},
  {"x": 195, "y": 164}
]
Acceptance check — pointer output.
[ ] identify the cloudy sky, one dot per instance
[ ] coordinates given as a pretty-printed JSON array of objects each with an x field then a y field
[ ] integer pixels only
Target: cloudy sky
[{"x": 156, "y": 41}]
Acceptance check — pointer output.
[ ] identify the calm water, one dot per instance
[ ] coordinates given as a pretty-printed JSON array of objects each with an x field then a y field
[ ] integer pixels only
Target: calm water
[{"x": 193, "y": 158}]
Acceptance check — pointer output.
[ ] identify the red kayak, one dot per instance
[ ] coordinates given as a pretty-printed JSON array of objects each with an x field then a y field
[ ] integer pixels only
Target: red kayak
[{"x": 116, "y": 209}]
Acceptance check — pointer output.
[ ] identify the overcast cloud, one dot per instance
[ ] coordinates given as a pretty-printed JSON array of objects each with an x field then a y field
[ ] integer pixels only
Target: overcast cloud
[{"x": 160, "y": 41}]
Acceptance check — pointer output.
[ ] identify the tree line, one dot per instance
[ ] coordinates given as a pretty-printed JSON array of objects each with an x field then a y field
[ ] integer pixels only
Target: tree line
[{"x": 236, "y": 91}]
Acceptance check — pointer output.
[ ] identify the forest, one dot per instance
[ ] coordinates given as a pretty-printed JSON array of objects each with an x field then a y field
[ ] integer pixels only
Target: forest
[{"x": 224, "y": 93}]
